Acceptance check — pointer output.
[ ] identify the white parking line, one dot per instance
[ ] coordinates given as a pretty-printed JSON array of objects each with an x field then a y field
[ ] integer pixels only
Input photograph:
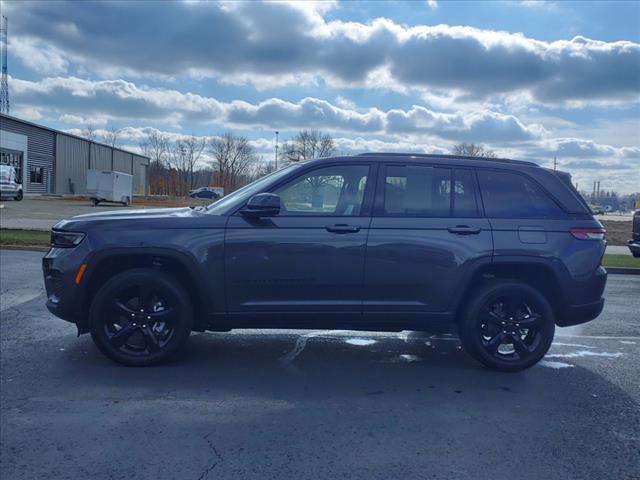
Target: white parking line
[
  {"x": 596, "y": 337},
  {"x": 9, "y": 300}
]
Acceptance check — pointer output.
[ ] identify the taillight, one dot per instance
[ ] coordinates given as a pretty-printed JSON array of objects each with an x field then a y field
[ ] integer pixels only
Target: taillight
[{"x": 588, "y": 233}]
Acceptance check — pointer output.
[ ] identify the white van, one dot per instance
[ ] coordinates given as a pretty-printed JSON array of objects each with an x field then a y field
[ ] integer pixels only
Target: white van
[{"x": 9, "y": 185}]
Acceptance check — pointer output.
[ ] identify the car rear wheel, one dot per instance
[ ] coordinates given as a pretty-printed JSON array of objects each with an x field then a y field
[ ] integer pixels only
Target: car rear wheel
[
  {"x": 18, "y": 196},
  {"x": 140, "y": 317},
  {"x": 507, "y": 326}
]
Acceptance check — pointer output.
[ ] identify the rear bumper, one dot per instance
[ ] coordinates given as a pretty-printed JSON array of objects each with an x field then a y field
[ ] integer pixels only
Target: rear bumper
[
  {"x": 8, "y": 190},
  {"x": 577, "y": 314},
  {"x": 590, "y": 292}
]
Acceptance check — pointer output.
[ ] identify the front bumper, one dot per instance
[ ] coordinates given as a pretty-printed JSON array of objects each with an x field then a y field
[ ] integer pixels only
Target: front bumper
[
  {"x": 64, "y": 297},
  {"x": 634, "y": 246}
]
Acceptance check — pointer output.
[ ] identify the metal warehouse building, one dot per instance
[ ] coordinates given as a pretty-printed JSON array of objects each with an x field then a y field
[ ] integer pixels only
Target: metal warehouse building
[{"x": 51, "y": 161}]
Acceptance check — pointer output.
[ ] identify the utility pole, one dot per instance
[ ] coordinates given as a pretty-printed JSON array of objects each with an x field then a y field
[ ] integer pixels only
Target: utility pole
[
  {"x": 4, "y": 83},
  {"x": 555, "y": 163},
  {"x": 277, "y": 132}
]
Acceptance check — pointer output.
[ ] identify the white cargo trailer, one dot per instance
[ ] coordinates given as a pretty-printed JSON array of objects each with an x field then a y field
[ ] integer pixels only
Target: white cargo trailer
[{"x": 108, "y": 186}]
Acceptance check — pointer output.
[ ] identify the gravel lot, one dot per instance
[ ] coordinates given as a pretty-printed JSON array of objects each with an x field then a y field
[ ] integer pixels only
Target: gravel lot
[{"x": 294, "y": 404}]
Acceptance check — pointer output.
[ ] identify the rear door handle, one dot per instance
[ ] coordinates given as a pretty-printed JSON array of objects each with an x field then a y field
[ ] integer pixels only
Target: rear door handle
[
  {"x": 342, "y": 228},
  {"x": 464, "y": 230}
]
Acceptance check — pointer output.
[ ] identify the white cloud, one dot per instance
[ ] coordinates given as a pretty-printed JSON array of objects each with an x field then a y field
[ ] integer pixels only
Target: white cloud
[
  {"x": 293, "y": 42},
  {"x": 96, "y": 102}
]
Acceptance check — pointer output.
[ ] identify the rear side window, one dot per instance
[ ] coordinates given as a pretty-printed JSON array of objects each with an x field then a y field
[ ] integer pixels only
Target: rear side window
[
  {"x": 423, "y": 191},
  {"x": 510, "y": 195}
]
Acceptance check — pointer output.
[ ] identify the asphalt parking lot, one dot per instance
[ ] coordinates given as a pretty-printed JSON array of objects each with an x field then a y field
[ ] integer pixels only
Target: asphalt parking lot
[
  {"x": 299, "y": 404},
  {"x": 42, "y": 213}
]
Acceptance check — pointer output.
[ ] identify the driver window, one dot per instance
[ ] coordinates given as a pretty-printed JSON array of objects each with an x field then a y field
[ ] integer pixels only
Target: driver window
[{"x": 334, "y": 190}]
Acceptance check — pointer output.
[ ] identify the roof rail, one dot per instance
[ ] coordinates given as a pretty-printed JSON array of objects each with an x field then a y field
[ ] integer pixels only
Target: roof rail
[{"x": 445, "y": 157}]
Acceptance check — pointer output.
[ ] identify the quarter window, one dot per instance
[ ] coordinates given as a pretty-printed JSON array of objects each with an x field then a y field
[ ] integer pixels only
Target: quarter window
[
  {"x": 511, "y": 195},
  {"x": 334, "y": 190}
]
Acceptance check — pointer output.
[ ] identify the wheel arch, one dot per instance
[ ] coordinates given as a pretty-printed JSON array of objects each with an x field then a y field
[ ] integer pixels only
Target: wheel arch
[
  {"x": 541, "y": 274},
  {"x": 106, "y": 263}
]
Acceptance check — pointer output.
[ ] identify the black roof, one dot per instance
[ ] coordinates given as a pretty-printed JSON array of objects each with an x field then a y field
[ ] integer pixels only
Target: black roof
[{"x": 445, "y": 157}]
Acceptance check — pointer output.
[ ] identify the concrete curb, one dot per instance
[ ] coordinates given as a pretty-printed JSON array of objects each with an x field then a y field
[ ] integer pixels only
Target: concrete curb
[
  {"x": 29, "y": 248},
  {"x": 623, "y": 270}
]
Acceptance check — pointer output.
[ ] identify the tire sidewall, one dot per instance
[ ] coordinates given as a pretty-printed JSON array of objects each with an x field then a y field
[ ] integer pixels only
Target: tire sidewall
[
  {"x": 469, "y": 324},
  {"x": 136, "y": 277}
]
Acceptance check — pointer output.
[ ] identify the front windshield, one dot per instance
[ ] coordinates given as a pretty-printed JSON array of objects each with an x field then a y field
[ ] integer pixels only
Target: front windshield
[{"x": 243, "y": 194}]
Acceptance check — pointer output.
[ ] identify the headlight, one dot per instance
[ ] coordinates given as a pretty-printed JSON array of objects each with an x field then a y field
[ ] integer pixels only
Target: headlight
[{"x": 66, "y": 239}]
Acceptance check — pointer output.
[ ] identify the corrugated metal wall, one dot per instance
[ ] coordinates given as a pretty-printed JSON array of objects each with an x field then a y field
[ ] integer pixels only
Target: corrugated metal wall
[
  {"x": 140, "y": 175},
  {"x": 72, "y": 162},
  {"x": 66, "y": 159},
  {"x": 100, "y": 157},
  {"x": 122, "y": 162},
  {"x": 40, "y": 152}
]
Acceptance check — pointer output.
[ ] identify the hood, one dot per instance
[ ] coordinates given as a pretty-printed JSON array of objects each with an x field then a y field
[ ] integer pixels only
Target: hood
[{"x": 151, "y": 218}]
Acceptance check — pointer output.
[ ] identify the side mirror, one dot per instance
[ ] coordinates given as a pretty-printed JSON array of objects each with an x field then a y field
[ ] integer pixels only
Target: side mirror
[{"x": 262, "y": 205}]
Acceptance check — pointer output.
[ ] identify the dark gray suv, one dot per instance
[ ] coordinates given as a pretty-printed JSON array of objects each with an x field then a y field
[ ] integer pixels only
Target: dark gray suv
[{"x": 500, "y": 251}]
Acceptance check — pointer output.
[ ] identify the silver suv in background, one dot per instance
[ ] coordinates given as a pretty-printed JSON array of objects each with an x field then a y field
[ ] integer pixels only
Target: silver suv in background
[{"x": 9, "y": 184}]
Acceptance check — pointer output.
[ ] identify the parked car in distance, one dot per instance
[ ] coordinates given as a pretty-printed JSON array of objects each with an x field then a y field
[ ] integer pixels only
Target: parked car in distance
[
  {"x": 634, "y": 243},
  {"x": 212, "y": 193},
  {"x": 10, "y": 185},
  {"x": 500, "y": 251}
]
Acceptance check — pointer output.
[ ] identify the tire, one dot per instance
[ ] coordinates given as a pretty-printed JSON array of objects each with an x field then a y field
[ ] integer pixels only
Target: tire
[
  {"x": 95, "y": 202},
  {"x": 127, "y": 202},
  {"x": 507, "y": 326},
  {"x": 140, "y": 317},
  {"x": 19, "y": 196},
  {"x": 636, "y": 253}
]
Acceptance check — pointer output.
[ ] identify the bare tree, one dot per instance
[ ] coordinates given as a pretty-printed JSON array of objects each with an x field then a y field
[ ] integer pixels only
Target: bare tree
[
  {"x": 308, "y": 144},
  {"x": 156, "y": 147},
  {"x": 183, "y": 157},
  {"x": 232, "y": 158},
  {"x": 261, "y": 168},
  {"x": 472, "y": 150},
  {"x": 110, "y": 137},
  {"x": 90, "y": 133}
]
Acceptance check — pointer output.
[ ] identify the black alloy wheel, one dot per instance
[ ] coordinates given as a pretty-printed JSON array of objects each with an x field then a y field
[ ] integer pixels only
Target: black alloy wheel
[
  {"x": 507, "y": 326},
  {"x": 140, "y": 317}
]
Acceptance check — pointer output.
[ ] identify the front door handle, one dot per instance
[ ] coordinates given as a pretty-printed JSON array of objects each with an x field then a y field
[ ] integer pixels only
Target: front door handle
[
  {"x": 464, "y": 230},
  {"x": 342, "y": 228}
]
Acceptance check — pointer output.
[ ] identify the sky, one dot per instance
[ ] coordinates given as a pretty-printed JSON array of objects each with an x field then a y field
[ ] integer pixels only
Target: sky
[{"x": 530, "y": 80}]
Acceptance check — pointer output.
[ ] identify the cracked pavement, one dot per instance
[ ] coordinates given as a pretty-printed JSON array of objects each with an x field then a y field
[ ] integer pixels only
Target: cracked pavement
[{"x": 298, "y": 404}]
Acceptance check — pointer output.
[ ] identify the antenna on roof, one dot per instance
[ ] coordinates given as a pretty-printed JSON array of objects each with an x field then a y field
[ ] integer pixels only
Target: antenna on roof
[{"x": 4, "y": 86}]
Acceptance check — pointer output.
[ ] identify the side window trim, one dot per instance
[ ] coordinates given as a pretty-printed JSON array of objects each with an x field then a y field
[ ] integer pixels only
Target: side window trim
[{"x": 475, "y": 187}]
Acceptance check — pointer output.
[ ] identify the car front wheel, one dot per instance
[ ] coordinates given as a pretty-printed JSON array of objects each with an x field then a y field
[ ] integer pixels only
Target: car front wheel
[
  {"x": 140, "y": 317},
  {"x": 18, "y": 196},
  {"x": 507, "y": 326}
]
